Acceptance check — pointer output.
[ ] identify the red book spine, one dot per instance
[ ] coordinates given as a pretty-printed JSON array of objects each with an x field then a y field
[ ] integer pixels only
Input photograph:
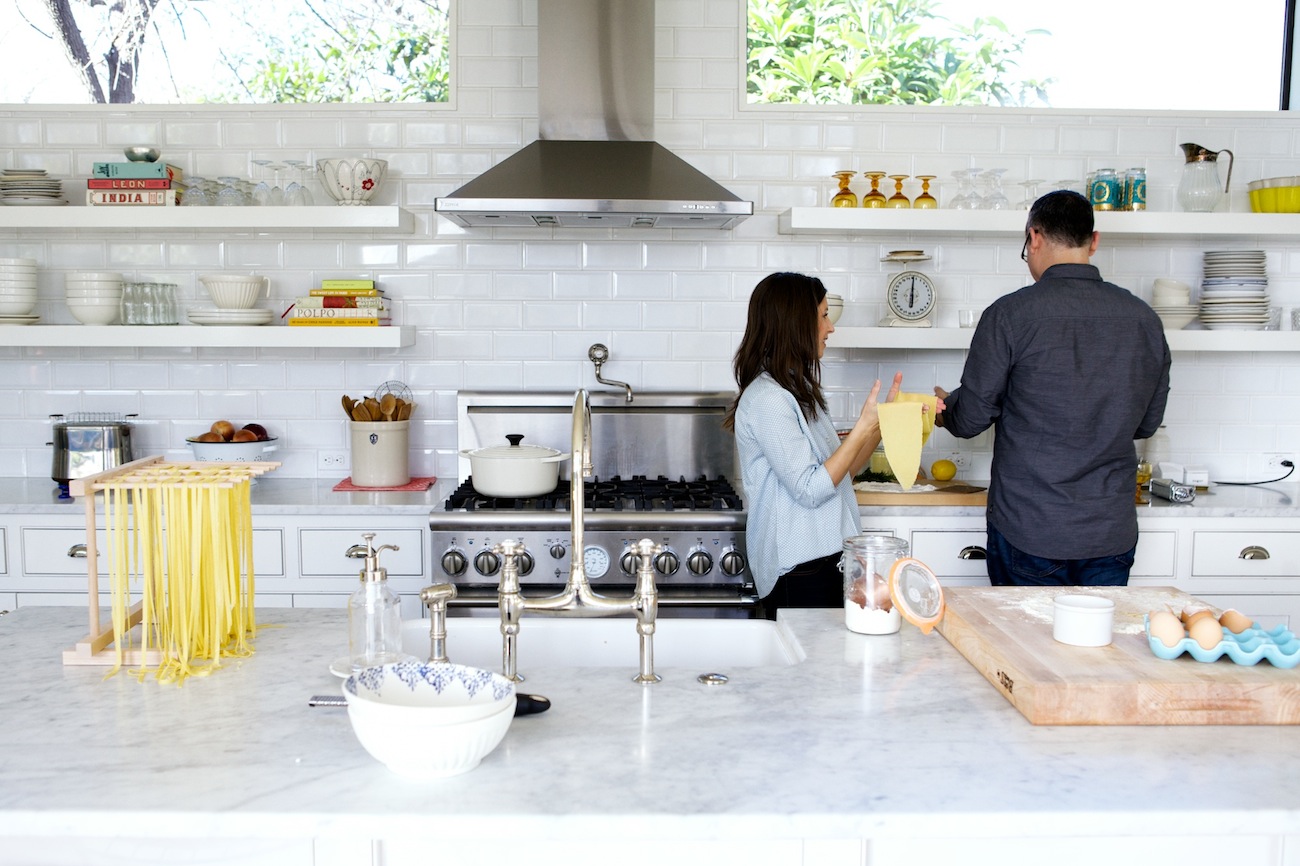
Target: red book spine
[{"x": 128, "y": 183}]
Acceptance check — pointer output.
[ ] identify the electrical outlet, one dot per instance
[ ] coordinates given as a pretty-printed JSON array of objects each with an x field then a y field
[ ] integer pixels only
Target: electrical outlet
[
  {"x": 958, "y": 459},
  {"x": 1274, "y": 461},
  {"x": 332, "y": 460}
]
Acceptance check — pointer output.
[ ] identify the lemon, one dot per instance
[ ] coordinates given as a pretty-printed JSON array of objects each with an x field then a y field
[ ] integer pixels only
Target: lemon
[{"x": 943, "y": 470}]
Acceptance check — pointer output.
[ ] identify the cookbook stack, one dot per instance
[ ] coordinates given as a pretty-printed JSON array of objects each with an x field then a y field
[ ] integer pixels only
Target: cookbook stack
[
  {"x": 346, "y": 303},
  {"x": 148, "y": 184}
]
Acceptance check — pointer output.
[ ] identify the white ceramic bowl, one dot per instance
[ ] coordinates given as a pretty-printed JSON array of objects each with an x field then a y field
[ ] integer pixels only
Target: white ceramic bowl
[
  {"x": 1083, "y": 620},
  {"x": 95, "y": 314},
  {"x": 14, "y": 287},
  {"x": 82, "y": 276},
  {"x": 18, "y": 262},
  {"x": 429, "y": 720},
  {"x": 96, "y": 292},
  {"x": 231, "y": 452},
  {"x": 16, "y": 306},
  {"x": 1177, "y": 321},
  {"x": 235, "y": 292},
  {"x": 351, "y": 181},
  {"x": 834, "y": 307},
  {"x": 10, "y": 271}
]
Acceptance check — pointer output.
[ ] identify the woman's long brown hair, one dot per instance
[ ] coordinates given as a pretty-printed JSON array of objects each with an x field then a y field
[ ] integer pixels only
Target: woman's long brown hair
[{"x": 781, "y": 339}]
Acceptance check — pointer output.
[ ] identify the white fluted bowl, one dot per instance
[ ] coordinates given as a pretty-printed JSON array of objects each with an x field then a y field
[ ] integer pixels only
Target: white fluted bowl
[
  {"x": 429, "y": 720},
  {"x": 352, "y": 181}
]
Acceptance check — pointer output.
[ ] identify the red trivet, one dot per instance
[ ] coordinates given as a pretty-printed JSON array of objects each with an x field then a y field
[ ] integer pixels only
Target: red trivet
[{"x": 415, "y": 484}]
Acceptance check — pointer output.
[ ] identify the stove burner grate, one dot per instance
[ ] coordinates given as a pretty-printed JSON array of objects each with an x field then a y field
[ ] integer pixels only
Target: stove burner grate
[{"x": 638, "y": 493}]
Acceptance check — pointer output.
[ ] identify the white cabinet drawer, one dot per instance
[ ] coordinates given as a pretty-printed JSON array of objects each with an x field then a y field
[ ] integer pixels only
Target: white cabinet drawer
[
  {"x": 1156, "y": 554},
  {"x": 952, "y": 553},
  {"x": 1246, "y": 554},
  {"x": 322, "y": 552},
  {"x": 49, "y": 550}
]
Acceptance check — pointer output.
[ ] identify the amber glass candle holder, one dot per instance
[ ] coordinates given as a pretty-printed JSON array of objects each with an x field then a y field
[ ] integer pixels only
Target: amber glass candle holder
[
  {"x": 874, "y": 198},
  {"x": 925, "y": 201},
  {"x": 844, "y": 197},
  {"x": 899, "y": 200}
]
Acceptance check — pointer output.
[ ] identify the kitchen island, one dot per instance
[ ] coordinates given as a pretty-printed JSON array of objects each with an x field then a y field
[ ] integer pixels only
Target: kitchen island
[{"x": 872, "y": 750}]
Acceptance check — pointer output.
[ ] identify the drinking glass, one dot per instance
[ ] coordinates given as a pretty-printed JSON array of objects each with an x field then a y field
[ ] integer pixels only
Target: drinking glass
[
  {"x": 899, "y": 200},
  {"x": 995, "y": 199},
  {"x": 262, "y": 189},
  {"x": 1143, "y": 479},
  {"x": 229, "y": 194},
  {"x": 195, "y": 195},
  {"x": 874, "y": 198},
  {"x": 844, "y": 197},
  {"x": 1031, "y": 193},
  {"x": 966, "y": 198},
  {"x": 925, "y": 201},
  {"x": 277, "y": 192},
  {"x": 295, "y": 193}
]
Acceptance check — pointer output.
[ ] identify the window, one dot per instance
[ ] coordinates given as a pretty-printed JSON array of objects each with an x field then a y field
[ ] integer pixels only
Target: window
[
  {"x": 224, "y": 51},
  {"x": 1105, "y": 54}
]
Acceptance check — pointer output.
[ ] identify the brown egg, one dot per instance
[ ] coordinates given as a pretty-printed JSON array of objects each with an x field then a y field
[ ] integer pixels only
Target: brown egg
[
  {"x": 209, "y": 437},
  {"x": 1206, "y": 631},
  {"x": 244, "y": 435},
  {"x": 1166, "y": 628},
  {"x": 1235, "y": 621},
  {"x": 224, "y": 429},
  {"x": 1192, "y": 614}
]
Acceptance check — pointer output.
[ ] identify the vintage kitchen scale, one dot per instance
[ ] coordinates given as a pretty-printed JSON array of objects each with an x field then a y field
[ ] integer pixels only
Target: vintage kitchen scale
[
  {"x": 910, "y": 295},
  {"x": 182, "y": 533}
]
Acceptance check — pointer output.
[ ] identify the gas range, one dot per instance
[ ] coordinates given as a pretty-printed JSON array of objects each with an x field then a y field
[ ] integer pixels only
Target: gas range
[
  {"x": 693, "y": 512},
  {"x": 699, "y": 523}
]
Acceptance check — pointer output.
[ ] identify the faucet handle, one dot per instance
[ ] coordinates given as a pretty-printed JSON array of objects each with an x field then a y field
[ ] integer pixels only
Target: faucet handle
[{"x": 436, "y": 598}]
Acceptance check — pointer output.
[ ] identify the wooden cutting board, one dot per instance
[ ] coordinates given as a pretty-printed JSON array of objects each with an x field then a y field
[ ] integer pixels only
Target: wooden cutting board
[
  {"x": 948, "y": 493},
  {"x": 1006, "y": 633}
]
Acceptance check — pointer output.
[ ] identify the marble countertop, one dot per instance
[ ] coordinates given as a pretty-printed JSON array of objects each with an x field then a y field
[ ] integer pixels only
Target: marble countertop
[
  {"x": 869, "y": 737},
  {"x": 272, "y": 495}
]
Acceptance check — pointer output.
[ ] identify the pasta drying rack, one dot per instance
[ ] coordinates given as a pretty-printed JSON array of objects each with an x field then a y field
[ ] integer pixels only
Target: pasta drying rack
[{"x": 149, "y": 472}]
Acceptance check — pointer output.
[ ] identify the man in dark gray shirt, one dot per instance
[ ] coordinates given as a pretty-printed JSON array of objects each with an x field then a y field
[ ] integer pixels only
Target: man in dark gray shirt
[{"x": 1069, "y": 371}]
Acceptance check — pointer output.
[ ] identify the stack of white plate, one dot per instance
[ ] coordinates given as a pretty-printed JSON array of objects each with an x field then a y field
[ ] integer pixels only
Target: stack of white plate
[
  {"x": 17, "y": 291},
  {"x": 1172, "y": 301},
  {"x": 30, "y": 187},
  {"x": 1234, "y": 292},
  {"x": 210, "y": 316}
]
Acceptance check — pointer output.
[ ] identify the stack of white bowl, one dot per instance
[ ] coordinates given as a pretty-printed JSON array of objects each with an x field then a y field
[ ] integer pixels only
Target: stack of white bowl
[
  {"x": 94, "y": 297},
  {"x": 1172, "y": 301},
  {"x": 17, "y": 291}
]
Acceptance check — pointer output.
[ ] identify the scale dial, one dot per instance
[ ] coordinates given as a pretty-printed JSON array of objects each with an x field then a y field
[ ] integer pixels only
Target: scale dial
[{"x": 911, "y": 296}]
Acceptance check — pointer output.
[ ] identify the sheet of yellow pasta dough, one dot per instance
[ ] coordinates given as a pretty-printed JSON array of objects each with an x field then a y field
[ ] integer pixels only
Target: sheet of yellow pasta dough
[
  {"x": 900, "y": 430},
  {"x": 927, "y": 417}
]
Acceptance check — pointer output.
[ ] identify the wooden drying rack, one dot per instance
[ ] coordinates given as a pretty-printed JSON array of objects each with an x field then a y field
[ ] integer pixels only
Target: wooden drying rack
[{"x": 94, "y": 649}]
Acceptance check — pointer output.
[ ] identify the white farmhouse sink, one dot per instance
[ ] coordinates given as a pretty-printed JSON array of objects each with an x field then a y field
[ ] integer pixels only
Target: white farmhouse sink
[{"x": 702, "y": 645}]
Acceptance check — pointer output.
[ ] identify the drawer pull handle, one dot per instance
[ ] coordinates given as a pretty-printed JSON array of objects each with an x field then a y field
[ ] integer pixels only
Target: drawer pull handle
[
  {"x": 974, "y": 551},
  {"x": 1253, "y": 552},
  {"x": 78, "y": 551}
]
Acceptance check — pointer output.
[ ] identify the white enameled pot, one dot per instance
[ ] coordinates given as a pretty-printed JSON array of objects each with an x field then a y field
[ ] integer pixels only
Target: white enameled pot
[{"x": 514, "y": 470}]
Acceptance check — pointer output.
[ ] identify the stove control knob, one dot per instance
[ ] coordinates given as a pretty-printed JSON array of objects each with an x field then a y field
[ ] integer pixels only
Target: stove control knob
[
  {"x": 667, "y": 563},
  {"x": 526, "y": 562},
  {"x": 487, "y": 562},
  {"x": 732, "y": 563},
  {"x": 558, "y": 551},
  {"x": 699, "y": 562},
  {"x": 453, "y": 562}
]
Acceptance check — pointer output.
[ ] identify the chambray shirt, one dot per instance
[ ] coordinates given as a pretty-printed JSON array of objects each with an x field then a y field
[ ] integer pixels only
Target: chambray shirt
[
  {"x": 1070, "y": 371},
  {"x": 795, "y": 513}
]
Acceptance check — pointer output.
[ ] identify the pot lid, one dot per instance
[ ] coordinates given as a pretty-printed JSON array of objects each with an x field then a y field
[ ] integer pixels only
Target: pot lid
[
  {"x": 916, "y": 592},
  {"x": 514, "y": 451}
]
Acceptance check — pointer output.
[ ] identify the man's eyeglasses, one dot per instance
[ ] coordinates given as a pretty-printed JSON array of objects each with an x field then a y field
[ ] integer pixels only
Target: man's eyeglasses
[{"x": 1024, "y": 251}]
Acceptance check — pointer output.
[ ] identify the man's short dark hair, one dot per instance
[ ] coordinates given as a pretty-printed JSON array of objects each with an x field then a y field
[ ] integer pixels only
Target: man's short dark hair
[{"x": 1064, "y": 217}]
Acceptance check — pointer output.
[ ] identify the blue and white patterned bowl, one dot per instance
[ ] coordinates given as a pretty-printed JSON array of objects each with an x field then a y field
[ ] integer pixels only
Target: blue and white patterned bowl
[{"x": 429, "y": 720}]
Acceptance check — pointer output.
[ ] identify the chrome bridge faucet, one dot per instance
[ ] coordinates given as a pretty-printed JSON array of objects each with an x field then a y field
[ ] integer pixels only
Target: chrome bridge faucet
[{"x": 577, "y": 598}]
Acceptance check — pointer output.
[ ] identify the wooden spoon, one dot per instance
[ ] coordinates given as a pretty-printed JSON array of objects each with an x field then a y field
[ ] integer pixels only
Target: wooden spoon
[
  {"x": 372, "y": 406},
  {"x": 387, "y": 404},
  {"x": 405, "y": 411},
  {"x": 361, "y": 413},
  {"x": 348, "y": 403}
]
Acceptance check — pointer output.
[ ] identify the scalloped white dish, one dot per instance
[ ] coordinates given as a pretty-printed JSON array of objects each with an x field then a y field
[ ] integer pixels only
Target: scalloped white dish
[{"x": 1278, "y": 645}]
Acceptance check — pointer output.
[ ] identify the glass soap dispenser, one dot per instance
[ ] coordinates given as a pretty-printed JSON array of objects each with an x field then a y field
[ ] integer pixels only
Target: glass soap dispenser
[{"x": 374, "y": 614}]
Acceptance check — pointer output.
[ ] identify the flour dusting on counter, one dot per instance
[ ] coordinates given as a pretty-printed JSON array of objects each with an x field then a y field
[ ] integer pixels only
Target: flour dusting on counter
[{"x": 1039, "y": 606}]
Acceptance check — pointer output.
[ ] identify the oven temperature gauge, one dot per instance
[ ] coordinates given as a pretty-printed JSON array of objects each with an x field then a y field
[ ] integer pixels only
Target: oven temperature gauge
[{"x": 595, "y": 561}]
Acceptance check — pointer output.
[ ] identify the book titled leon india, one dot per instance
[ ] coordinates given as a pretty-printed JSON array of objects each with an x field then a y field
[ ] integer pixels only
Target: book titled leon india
[
  {"x": 347, "y": 284},
  {"x": 136, "y": 169},
  {"x": 130, "y": 197},
  {"x": 129, "y": 183}
]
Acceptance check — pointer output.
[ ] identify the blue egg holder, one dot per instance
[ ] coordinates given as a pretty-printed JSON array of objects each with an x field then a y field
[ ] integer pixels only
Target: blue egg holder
[{"x": 1278, "y": 645}]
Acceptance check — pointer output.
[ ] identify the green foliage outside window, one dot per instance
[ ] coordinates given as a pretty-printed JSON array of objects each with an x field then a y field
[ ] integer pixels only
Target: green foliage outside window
[{"x": 882, "y": 52}]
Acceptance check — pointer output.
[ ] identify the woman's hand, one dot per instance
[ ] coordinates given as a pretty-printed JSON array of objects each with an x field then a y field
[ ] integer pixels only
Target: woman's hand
[{"x": 855, "y": 450}]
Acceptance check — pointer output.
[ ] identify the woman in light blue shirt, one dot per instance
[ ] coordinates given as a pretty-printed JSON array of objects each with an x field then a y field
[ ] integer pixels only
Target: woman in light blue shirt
[{"x": 797, "y": 472}]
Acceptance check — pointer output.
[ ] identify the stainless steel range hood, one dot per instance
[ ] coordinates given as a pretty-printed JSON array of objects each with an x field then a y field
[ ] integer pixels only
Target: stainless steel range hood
[{"x": 596, "y": 164}]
